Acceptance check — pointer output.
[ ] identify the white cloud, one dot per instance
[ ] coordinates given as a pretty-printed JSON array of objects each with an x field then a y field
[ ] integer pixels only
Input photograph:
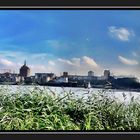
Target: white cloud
[
  {"x": 76, "y": 61},
  {"x": 77, "y": 65},
  {"x": 121, "y": 33},
  {"x": 45, "y": 63},
  {"x": 127, "y": 61},
  {"x": 65, "y": 61},
  {"x": 52, "y": 63},
  {"x": 85, "y": 61},
  {"x": 89, "y": 61},
  {"x": 6, "y": 62}
]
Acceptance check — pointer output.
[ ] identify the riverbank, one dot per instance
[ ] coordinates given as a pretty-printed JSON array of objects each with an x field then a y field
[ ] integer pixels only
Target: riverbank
[
  {"x": 74, "y": 86},
  {"x": 39, "y": 109}
]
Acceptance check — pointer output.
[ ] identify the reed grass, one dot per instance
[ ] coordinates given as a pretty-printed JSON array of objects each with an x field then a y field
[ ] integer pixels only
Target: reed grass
[{"x": 42, "y": 110}]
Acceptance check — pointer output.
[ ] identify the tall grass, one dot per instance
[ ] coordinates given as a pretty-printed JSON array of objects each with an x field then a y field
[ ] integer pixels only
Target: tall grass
[{"x": 42, "y": 110}]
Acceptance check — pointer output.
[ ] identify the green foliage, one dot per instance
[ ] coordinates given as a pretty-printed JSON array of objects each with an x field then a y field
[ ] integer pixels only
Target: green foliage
[{"x": 39, "y": 110}]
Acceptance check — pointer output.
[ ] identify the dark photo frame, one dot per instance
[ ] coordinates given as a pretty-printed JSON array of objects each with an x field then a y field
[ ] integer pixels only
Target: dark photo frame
[
  {"x": 73, "y": 3},
  {"x": 70, "y": 5}
]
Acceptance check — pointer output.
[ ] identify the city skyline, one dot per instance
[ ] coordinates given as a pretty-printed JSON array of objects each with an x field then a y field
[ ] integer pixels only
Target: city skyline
[{"x": 76, "y": 41}]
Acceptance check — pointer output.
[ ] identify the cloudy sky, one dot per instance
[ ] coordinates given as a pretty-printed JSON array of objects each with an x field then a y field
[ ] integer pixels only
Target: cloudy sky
[{"x": 71, "y": 40}]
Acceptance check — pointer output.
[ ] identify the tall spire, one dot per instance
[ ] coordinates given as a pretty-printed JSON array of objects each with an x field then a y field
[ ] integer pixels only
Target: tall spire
[{"x": 25, "y": 62}]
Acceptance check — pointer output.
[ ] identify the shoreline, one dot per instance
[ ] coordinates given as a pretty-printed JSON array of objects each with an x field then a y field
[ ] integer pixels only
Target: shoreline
[{"x": 100, "y": 88}]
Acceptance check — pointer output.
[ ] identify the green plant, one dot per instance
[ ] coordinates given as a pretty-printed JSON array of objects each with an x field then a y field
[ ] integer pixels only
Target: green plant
[{"x": 38, "y": 109}]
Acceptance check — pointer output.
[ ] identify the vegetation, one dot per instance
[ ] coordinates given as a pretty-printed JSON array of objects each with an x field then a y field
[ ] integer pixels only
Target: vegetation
[{"x": 42, "y": 110}]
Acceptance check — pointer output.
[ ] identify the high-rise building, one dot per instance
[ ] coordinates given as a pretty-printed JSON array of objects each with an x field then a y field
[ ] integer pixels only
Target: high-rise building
[
  {"x": 24, "y": 70},
  {"x": 106, "y": 74}
]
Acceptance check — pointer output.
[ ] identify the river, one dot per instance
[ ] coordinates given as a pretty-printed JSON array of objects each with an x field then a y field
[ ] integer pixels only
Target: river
[{"x": 123, "y": 96}]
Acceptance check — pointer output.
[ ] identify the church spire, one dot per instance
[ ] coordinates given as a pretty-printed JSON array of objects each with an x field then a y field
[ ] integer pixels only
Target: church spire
[{"x": 25, "y": 62}]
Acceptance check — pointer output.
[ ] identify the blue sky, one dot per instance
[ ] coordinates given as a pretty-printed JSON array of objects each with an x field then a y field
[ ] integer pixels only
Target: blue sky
[{"x": 71, "y": 40}]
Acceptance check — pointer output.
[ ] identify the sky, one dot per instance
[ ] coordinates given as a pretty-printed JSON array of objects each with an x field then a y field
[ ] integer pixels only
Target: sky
[{"x": 76, "y": 41}]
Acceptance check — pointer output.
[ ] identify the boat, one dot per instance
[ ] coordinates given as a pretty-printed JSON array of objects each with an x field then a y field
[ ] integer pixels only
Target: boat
[{"x": 87, "y": 85}]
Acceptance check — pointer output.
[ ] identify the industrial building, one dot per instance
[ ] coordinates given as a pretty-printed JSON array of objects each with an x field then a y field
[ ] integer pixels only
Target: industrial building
[{"x": 44, "y": 77}]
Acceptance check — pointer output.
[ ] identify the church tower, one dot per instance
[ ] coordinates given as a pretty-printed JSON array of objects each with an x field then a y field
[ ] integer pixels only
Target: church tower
[{"x": 24, "y": 70}]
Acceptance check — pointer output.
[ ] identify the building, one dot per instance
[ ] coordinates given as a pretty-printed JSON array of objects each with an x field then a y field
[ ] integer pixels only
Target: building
[
  {"x": 43, "y": 78},
  {"x": 126, "y": 82},
  {"x": 9, "y": 77},
  {"x": 24, "y": 71},
  {"x": 101, "y": 78},
  {"x": 106, "y": 74},
  {"x": 65, "y": 74},
  {"x": 81, "y": 78},
  {"x": 62, "y": 80},
  {"x": 90, "y": 73},
  {"x": 29, "y": 80}
]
